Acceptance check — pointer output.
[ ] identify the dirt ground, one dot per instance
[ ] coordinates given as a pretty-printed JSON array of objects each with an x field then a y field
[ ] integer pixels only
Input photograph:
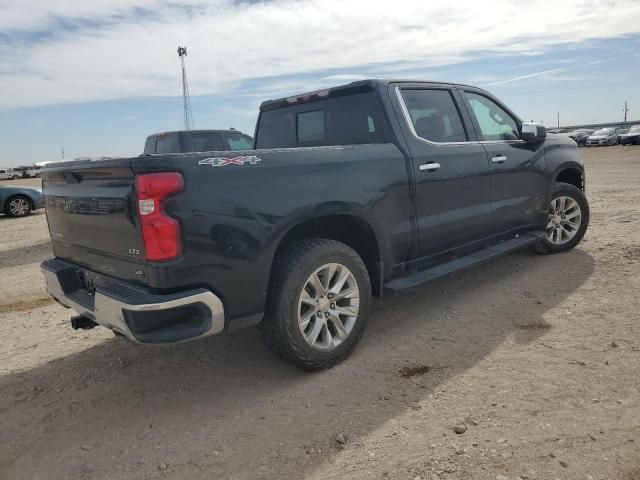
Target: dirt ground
[{"x": 537, "y": 358}]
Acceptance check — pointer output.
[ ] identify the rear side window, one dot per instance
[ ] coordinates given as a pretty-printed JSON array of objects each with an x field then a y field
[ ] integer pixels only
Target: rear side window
[
  {"x": 345, "y": 120},
  {"x": 494, "y": 122},
  {"x": 168, "y": 144},
  {"x": 236, "y": 141},
  {"x": 434, "y": 115}
]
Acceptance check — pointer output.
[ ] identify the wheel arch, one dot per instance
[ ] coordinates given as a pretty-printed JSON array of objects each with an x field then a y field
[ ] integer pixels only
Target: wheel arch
[
  {"x": 571, "y": 175},
  {"x": 352, "y": 230}
]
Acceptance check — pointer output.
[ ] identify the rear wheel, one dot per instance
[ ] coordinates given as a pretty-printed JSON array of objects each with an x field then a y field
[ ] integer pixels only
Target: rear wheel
[
  {"x": 18, "y": 206},
  {"x": 318, "y": 304},
  {"x": 567, "y": 220}
]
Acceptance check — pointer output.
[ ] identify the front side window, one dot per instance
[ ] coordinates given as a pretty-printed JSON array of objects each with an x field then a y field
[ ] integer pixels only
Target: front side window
[
  {"x": 495, "y": 124},
  {"x": 434, "y": 115}
]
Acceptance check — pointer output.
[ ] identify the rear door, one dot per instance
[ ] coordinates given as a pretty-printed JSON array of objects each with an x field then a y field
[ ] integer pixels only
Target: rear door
[
  {"x": 452, "y": 174},
  {"x": 91, "y": 216},
  {"x": 519, "y": 184}
]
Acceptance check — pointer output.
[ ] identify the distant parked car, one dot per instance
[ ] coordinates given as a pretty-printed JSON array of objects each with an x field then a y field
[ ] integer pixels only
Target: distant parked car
[
  {"x": 9, "y": 174},
  {"x": 631, "y": 137},
  {"x": 31, "y": 171},
  {"x": 20, "y": 201},
  {"x": 185, "y": 141},
  {"x": 604, "y": 136},
  {"x": 580, "y": 136}
]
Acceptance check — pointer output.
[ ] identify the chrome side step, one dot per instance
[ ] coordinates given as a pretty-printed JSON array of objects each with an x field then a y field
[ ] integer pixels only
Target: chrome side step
[{"x": 463, "y": 263}]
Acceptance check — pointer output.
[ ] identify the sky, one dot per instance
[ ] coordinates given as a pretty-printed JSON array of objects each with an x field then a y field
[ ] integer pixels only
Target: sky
[{"x": 96, "y": 77}]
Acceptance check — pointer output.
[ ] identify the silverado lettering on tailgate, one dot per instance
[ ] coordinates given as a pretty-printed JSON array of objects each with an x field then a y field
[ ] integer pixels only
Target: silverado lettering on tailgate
[{"x": 86, "y": 206}]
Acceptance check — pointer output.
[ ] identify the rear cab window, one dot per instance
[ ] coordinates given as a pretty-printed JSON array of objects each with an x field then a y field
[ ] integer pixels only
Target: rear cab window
[
  {"x": 203, "y": 141},
  {"x": 150, "y": 145},
  {"x": 169, "y": 143},
  {"x": 344, "y": 119},
  {"x": 236, "y": 141}
]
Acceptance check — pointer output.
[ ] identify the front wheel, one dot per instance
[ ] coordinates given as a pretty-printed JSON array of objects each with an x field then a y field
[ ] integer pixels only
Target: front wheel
[
  {"x": 567, "y": 220},
  {"x": 318, "y": 304},
  {"x": 18, "y": 206}
]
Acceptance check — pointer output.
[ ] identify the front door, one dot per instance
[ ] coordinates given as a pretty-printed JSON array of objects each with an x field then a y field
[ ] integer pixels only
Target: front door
[
  {"x": 519, "y": 185},
  {"x": 452, "y": 173}
]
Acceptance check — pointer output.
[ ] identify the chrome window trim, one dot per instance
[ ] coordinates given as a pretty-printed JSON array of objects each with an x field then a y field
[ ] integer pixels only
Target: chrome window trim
[{"x": 407, "y": 118}]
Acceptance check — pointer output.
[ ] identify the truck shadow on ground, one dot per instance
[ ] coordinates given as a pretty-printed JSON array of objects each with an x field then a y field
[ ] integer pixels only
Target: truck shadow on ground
[
  {"x": 14, "y": 257},
  {"x": 226, "y": 407}
]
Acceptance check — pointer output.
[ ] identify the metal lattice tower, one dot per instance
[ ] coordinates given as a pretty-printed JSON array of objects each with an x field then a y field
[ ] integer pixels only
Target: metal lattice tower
[{"x": 188, "y": 115}]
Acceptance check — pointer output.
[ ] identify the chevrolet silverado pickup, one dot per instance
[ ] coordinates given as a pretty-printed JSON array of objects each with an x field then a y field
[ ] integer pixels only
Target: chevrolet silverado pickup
[{"x": 371, "y": 187}]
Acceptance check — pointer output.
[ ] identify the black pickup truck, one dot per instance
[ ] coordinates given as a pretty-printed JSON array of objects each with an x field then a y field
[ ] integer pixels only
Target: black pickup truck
[{"x": 349, "y": 192}]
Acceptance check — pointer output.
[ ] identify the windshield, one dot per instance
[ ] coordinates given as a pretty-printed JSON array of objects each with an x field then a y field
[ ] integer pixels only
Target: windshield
[
  {"x": 604, "y": 131},
  {"x": 634, "y": 129}
]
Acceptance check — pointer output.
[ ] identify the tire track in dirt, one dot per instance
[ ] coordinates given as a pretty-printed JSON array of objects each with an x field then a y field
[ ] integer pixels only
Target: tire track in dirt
[{"x": 24, "y": 305}]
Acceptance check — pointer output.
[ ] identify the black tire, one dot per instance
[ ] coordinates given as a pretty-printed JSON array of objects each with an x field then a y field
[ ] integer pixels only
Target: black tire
[
  {"x": 565, "y": 189},
  {"x": 293, "y": 266},
  {"x": 25, "y": 213}
]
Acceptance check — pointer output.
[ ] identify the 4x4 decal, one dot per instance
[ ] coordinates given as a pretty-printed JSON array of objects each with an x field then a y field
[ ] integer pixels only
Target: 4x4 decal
[{"x": 222, "y": 161}]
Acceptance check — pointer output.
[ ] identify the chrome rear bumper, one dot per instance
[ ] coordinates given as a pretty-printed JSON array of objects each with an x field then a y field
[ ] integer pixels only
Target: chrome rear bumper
[{"x": 140, "y": 316}]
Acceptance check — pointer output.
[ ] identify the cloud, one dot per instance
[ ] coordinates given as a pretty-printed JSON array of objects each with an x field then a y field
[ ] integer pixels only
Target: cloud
[
  {"x": 78, "y": 51},
  {"x": 543, "y": 73}
]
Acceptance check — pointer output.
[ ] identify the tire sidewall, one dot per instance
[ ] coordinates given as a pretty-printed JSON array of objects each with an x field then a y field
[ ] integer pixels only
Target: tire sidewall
[
  {"x": 290, "y": 295},
  {"x": 567, "y": 190}
]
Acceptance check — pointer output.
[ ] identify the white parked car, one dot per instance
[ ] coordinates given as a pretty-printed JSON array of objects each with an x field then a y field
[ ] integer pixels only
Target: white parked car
[
  {"x": 9, "y": 174},
  {"x": 604, "y": 136}
]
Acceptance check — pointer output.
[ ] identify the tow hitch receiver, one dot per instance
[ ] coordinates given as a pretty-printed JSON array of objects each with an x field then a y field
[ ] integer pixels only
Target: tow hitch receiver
[{"x": 80, "y": 322}]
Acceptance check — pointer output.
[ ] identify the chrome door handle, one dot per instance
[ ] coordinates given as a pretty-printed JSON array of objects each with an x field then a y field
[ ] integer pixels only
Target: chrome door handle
[
  {"x": 499, "y": 159},
  {"x": 429, "y": 167}
]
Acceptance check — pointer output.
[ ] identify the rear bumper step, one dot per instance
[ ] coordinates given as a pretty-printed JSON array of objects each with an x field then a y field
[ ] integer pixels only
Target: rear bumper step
[{"x": 139, "y": 315}]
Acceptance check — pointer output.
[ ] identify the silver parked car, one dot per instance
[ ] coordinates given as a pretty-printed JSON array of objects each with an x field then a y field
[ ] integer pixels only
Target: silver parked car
[
  {"x": 604, "y": 136},
  {"x": 20, "y": 201}
]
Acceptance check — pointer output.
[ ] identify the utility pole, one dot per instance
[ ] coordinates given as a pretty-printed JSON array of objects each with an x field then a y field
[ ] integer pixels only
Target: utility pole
[
  {"x": 62, "y": 151},
  {"x": 558, "y": 119},
  {"x": 626, "y": 111},
  {"x": 186, "y": 100}
]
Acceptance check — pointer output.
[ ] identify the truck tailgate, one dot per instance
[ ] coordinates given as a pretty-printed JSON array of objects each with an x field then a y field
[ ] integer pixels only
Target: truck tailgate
[{"x": 90, "y": 208}]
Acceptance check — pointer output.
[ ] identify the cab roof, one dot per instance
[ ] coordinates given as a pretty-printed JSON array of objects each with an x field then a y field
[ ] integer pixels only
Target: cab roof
[{"x": 360, "y": 86}]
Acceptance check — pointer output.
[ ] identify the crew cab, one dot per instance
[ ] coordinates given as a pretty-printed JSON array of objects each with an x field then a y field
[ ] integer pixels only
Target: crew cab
[
  {"x": 183, "y": 141},
  {"x": 371, "y": 187}
]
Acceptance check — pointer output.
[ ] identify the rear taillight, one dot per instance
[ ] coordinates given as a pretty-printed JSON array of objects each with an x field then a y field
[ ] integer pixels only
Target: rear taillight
[{"x": 160, "y": 232}]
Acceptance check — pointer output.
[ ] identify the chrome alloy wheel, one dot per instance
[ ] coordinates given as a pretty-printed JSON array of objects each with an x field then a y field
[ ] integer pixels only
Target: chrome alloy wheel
[
  {"x": 564, "y": 220},
  {"x": 18, "y": 207},
  {"x": 328, "y": 306}
]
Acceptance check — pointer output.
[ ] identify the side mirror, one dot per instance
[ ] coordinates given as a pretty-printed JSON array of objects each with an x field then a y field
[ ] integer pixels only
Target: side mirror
[{"x": 533, "y": 132}]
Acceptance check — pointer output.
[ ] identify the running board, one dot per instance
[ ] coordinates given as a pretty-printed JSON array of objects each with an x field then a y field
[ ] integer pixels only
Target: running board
[{"x": 463, "y": 263}]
